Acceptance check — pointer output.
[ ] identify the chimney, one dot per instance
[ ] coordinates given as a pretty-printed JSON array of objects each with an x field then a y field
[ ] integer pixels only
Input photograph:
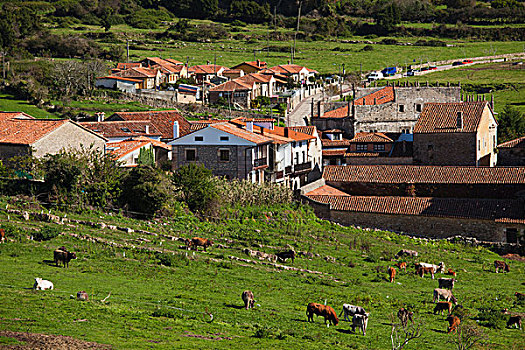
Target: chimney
[
  {"x": 459, "y": 120},
  {"x": 146, "y": 129},
  {"x": 100, "y": 116},
  {"x": 258, "y": 63},
  {"x": 175, "y": 129},
  {"x": 349, "y": 109},
  {"x": 320, "y": 108},
  {"x": 249, "y": 126},
  {"x": 375, "y": 101}
]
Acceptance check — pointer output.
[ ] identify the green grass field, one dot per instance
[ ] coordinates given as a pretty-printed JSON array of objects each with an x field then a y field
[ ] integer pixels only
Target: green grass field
[
  {"x": 153, "y": 306},
  {"x": 8, "y": 103}
]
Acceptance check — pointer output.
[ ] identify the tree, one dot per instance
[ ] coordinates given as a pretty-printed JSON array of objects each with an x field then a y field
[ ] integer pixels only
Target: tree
[
  {"x": 194, "y": 183},
  {"x": 106, "y": 18},
  {"x": 511, "y": 124},
  {"x": 146, "y": 157},
  {"x": 402, "y": 335},
  {"x": 467, "y": 336},
  {"x": 142, "y": 190}
]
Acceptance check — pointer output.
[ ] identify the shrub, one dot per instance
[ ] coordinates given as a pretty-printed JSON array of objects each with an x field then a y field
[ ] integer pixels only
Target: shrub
[
  {"x": 142, "y": 191},
  {"x": 195, "y": 184},
  {"x": 46, "y": 233},
  {"x": 367, "y": 48},
  {"x": 492, "y": 318},
  {"x": 163, "y": 313}
]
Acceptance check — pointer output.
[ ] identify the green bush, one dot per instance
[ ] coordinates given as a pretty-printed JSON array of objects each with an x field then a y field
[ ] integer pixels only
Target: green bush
[
  {"x": 13, "y": 231},
  {"x": 492, "y": 318},
  {"x": 163, "y": 313},
  {"x": 46, "y": 233}
]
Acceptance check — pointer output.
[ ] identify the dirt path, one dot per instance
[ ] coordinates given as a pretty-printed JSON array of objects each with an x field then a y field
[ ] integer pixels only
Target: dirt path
[{"x": 47, "y": 342}]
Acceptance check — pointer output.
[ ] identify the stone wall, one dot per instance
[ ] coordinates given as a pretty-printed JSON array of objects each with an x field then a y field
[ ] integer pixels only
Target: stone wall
[
  {"x": 425, "y": 226},
  {"x": 445, "y": 149},
  {"x": 511, "y": 156},
  {"x": 239, "y": 166},
  {"x": 345, "y": 124}
]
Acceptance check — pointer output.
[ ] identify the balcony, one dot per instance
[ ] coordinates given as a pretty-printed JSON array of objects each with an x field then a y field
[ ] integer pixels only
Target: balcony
[
  {"x": 260, "y": 162},
  {"x": 302, "y": 167}
]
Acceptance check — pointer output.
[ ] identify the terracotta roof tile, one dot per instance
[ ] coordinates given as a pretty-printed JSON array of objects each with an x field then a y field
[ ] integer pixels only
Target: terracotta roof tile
[
  {"x": 27, "y": 131},
  {"x": 371, "y": 137},
  {"x": 254, "y": 64},
  {"x": 381, "y": 96},
  {"x": 206, "y": 69},
  {"x": 326, "y": 191},
  {"x": 442, "y": 117},
  {"x": 485, "y": 209},
  {"x": 290, "y": 69},
  {"x": 123, "y": 148},
  {"x": 120, "y": 78},
  {"x": 233, "y": 85},
  {"x": 122, "y": 128},
  {"x": 519, "y": 143},
  {"x": 309, "y": 130},
  {"x": 361, "y": 154},
  {"x": 11, "y": 115},
  {"x": 161, "y": 120},
  {"x": 335, "y": 143},
  {"x": 334, "y": 152},
  {"x": 137, "y": 72},
  {"x": 255, "y": 77},
  {"x": 239, "y": 132},
  {"x": 424, "y": 174},
  {"x": 155, "y": 143},
  {"x": 173, "y": 61},
  {"x": 128, "y": 65}
]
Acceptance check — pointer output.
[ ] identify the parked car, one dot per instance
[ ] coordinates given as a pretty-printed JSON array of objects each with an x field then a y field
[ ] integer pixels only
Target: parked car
[
  {"x": 375, "y": 76},
  {"x": 467, "y": 61},
  {"x": 412, "y": 72},
  {"x": 424, "y": 69},
  {"x": 389, "y": 71},
  {"x": 432, "y": 68},
  {"x": 457, "y": 63}
]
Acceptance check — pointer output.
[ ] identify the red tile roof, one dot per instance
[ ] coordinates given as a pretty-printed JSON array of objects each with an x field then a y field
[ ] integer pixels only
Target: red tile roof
[
  {"x": 361, "y": 154},
  {"x": 206, "y": 69},
  {"x": 155, "y": 143},
  {"x": 239, "y": 132},
  {"x": 120, "y": 78},
  {"x": 123, "y": 148},
  {"x": 161, "y": 120},
  {"x": 326, "y": 191},
  {"x": 371, "y": 137},
  {"x": 201, "y": 124},
  {"x": 255, "y": 77},
  {"x": 289, "y": 69},
  {"x": 122, "y": 128},
  {"x": 12, "y": 115},
  {"x": 254, "y": 64},
  {"x": 424, "y": 174},
  {"x": 442, "y": 117},
  {"x": 333, "y": 152},
  {"x": 233, "y": 85},
  {"x": 381, "y": 96},
  {"x": 27, "y": 131},
  {"x": 309, "y": 130},
  {"x": 172, "y": 61},
  {"x": 519, "y": 143},
  {"x": 485, "y": 209},
  {"x": 128, "y": 65},
  {"x": 278, "y": 131},
  {"x": 335, "y": 143},
  {"x": 137, "y": 72}
]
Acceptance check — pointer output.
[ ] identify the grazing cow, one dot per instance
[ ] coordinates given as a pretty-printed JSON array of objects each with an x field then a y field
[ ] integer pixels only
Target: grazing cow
[
  {"x": 406, "y": 252},
  {"x": 445, "y": 294},
  {"x": 288, "y": 254},
  {"x": 443, "y": 306},
  {"x": 64, "y": 256},
  {"x": 248, "y": 298},
  {"x": 436, "y": 268},
  {"x": 360, "y": 321},
  {"x": 351, "y": 310},
  {"x": 453, "y": 322},
  {"x": 515, "y": 320},
  {"x": 451, "y": 272},
  {"x": 41, "y": 284},
  {"x": 197, "y": 242},
  {"x": 322, "y": 310},
  {"x": 391, "y": 273},
  {"x": 447, "y": 283},
  {"x": 401, "y": 265},
  {"x": 404, "y": 315},
  {"x": 82, "y": 296},
  {"x": 498, "y": 264},
  {"x": 2, "y": 235},
  {"x": 422, "y": 270},
  {"x": 520, "y": 296}
]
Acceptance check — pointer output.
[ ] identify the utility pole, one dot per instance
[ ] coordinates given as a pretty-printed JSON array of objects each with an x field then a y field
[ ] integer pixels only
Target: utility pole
[
  {"x": 342, "y": 81},
  {"x": 297, "y": 29},
  {"x": 127, "y": 50},
  {"x": 360, "y": 71}
]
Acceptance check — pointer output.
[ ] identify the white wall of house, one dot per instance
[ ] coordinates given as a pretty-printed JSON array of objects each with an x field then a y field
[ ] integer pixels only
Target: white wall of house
[
  {"x": 132, "y": 157},
  {"x": 210, "y": 137},
  {"x": 315, "y": 150},
  {"x": 300, "y": 152},
  {"x": 106, "y": 83}
]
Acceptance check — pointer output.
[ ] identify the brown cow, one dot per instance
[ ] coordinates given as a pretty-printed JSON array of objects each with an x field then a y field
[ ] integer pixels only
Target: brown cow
[
  {"x": 197, "y": 242},
  {"x": 404, "y": 315},
  {"x": 498, "y": 264},
  {"x": 451, "y": 272},
  {"x": 391, "y": 273},
  {"x": 288, "y": 254},
  {"x": 248, "y": 298},
  {"x": 2, "y": 235},
  {"x": 443, "y": 306},
  {"x": 422, "y": 270},
  {"x": 82, "y": 296},
  {"x": 446, "y": 283},
  {"x": 453, "y": 322},
  {"x": 515, "y": 320},
  {"x": 322, "y": 310},
  {"x": 401, "y": 265},
  {"x": 520, "y": 296},
  {"x": 64, "y": 256}
]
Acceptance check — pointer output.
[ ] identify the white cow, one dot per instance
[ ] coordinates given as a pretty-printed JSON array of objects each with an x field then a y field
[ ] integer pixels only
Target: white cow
[
  {"x": 360, "y": 321},
  {"x": 437, "y": 268},
  {"x": 41, "y": 284},
  {"x": 351, "y": 310}
]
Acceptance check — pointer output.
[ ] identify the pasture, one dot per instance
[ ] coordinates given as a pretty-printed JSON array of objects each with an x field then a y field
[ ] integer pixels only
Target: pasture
[{"x": 161, "y": 293}]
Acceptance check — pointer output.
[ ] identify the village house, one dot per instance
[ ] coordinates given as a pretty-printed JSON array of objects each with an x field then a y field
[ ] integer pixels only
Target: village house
[
  {"x": 21, "y": 135},
  {"x": 334, "y": 147},
  {"x": 129, "y": 85},
  {"x": 205, "y": 72},
  {"x": 298, "y": 74},
  {"x": 226, "y": 149},
  {"x": 512, "y": 153},
  {"x": 251, "y": 66},
  {"x": 170, "y": 123},
  {"x": 127, "y": 151},
  {"x": 461, "y": 133},
  {"x": 115, "y": 131},
  {"x": 233, "y": 73},
  {"x": 150, "y": 78},
  {"x": 234, "y": 92}
]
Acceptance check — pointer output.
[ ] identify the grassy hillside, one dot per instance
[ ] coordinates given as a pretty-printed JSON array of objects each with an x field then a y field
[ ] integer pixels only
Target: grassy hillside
[
  {"x": 8, "y": 103},
  {"x": 157, "y": 306}
]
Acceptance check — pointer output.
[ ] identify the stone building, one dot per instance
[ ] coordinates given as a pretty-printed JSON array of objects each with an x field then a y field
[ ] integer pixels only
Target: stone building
[
  {"x": 21, "y": 135},
  {"x": 461, "y": 133},
  {"x": 512, "y": 153}
]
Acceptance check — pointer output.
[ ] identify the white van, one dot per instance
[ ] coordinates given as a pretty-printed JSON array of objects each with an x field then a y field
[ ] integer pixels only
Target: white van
[{"x": 375, "y": 76}]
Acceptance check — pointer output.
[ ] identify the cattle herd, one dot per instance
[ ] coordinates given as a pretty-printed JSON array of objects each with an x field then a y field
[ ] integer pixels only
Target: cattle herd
[{"x": 352, "y": 313}]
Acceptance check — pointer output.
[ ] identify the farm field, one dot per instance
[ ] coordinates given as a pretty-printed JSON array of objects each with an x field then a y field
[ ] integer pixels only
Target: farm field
[
  {"x": 160, "y": 293},
  {"x": 8, "y": 103}
]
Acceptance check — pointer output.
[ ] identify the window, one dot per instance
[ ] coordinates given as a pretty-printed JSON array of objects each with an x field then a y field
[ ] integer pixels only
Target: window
[
  {"x": 224, "y": 155},
  {"x": 362, "y": 147},
  {"x": 304, "y": 157},
  {"x": 199, "y": 138},
  {"x": 405, "y": 131},
  {"x": 401, "y": 108},
  {"x": 379, "y": 147},
  {"x": 479, "y": 145},
  {"x": 191, "y": 155},
  {"x": 224, "y": 138},
  {"x": 418, "y": 108}
]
